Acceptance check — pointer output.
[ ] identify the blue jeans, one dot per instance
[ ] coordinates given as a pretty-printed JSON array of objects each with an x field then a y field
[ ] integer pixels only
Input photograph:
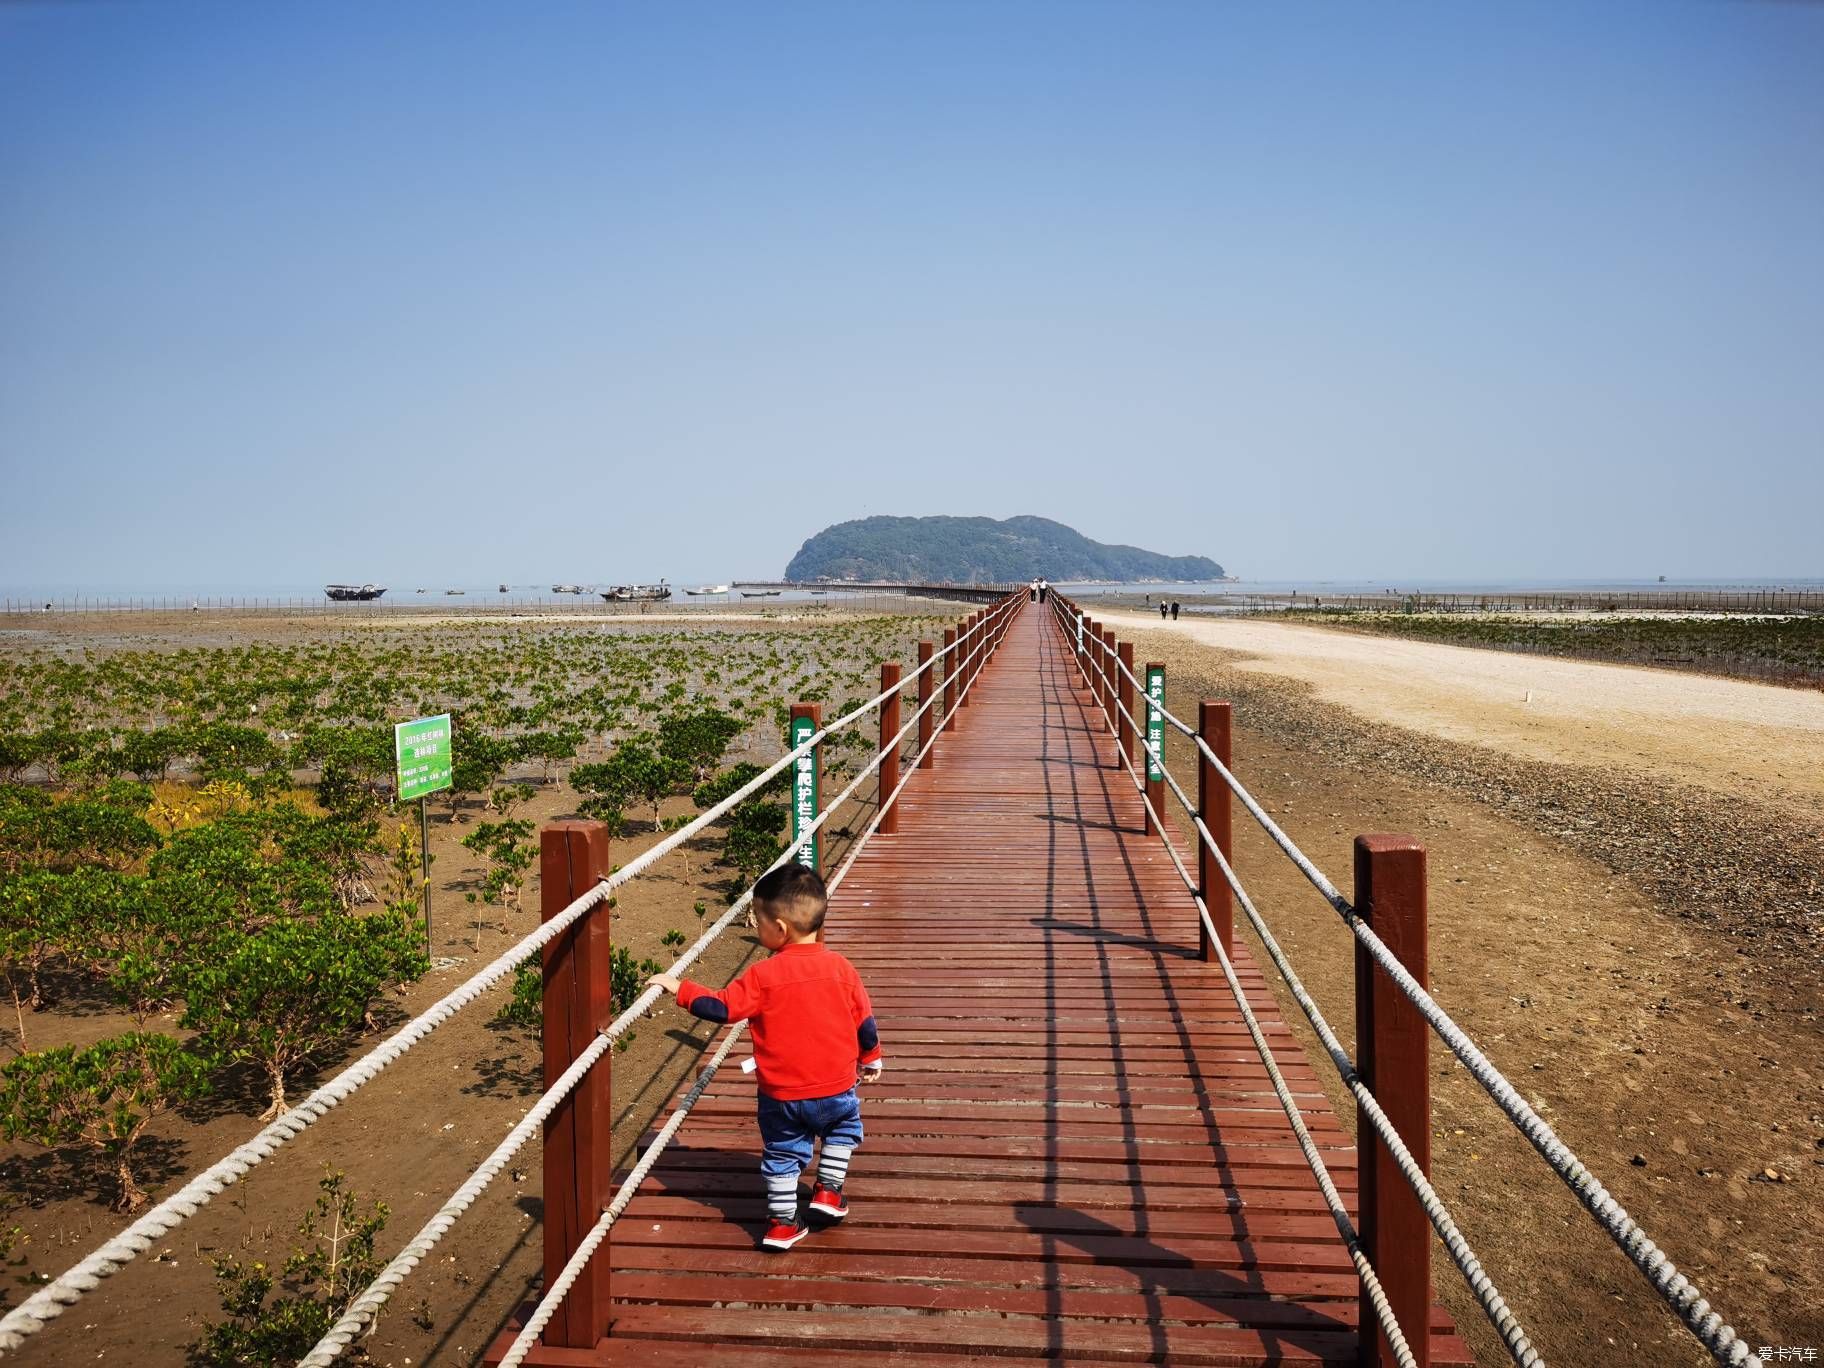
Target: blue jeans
[{"x": 787, "y": 1130}]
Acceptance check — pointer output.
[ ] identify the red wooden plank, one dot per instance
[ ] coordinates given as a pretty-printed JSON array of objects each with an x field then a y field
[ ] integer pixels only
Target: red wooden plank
[{"x": 1076, "y": 1155}]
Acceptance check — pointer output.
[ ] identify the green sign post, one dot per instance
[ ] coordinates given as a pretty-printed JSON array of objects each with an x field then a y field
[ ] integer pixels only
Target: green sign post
[
  {"x": 804, "y": 789},
  {"x": 422, "y": 761},
  {"x": 1155, "y": 723},
  {"x": 421, "y": 750}
]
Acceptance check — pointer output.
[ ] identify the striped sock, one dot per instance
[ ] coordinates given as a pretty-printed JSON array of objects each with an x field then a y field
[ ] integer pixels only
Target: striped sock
[
  {"x": 782, "y": 1197},
  {"x": 833, "y": 1167}
]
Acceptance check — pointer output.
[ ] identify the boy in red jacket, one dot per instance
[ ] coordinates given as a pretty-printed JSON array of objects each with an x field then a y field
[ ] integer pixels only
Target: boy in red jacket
[{"x": 814, "y": 1040}]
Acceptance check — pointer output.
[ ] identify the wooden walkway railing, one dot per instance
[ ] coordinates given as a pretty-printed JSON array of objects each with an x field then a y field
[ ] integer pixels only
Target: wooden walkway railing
[{"x": 1075, "y": 1154}]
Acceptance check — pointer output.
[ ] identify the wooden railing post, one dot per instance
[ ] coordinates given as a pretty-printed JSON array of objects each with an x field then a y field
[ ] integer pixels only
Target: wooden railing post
[
  {"x": 889, "y": 733},
  {"x": 1124, "y": 696},
  {"x": 1214, "y": 725},
  {"x": 927, "y": 687},
  {"x": 950, "y": 664},
  {"x": 969, "y": 650},
  {"x": 1104, "y": 672},
  {"x": 1391, "y": 1042},
  {"x": 807, "y": 781},
  {"x": 579, "y": 1147}
]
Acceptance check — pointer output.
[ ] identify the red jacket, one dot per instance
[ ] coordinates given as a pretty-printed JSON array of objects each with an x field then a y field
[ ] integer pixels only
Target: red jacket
[{"x": 812, "y": 1024}]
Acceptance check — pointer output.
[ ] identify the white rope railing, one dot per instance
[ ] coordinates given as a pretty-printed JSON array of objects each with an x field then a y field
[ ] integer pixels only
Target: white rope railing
[
  {"x": 365, "y": 1307},
  {"x": 115, "y": 1253},
  {"x": 553, "y": 1296},
  {"x": 1679, "y": 1293},
  {"x": 1314, "y": 1160},
  {"x": 1494, "y": 1306}
]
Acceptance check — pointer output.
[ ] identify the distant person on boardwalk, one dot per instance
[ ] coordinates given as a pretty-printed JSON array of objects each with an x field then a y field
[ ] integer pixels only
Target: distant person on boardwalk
[
  {"x": 1033, "y": 590},
  {"x": 814, "y": 1042},
  {"x": 1044, "y": 588},
  {"x": 1174, "y": 610}
]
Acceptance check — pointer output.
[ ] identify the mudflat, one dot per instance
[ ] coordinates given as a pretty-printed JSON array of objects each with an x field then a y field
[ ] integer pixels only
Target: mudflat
[{"x": 1751, "y": 740}]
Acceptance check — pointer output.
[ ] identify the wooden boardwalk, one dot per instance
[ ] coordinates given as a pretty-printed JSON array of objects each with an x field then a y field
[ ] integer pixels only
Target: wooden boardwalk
[{"x": 1074, "y": 1156}]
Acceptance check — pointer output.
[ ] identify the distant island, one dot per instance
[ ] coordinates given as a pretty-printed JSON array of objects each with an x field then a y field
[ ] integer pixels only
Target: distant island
[{"x": 946, "y": 550}]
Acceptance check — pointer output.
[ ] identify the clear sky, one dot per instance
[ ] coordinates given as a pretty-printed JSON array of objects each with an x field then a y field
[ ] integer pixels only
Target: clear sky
[{"x": 449, "y": 293}]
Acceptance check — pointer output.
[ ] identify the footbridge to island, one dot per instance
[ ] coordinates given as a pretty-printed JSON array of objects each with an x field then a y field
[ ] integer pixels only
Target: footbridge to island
[{"x": 1097, "y": 1139}]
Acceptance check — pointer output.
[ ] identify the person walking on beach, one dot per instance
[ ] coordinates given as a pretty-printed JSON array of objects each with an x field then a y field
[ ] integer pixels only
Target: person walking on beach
[
  {"x": 1162, "y": 610},
  {"x": 1174, "y": 610},
  {"x": 814, "y": 1042}
]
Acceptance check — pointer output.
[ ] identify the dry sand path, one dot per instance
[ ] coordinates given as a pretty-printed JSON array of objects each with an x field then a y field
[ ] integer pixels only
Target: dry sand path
[{"x": 1753, "y": 740}]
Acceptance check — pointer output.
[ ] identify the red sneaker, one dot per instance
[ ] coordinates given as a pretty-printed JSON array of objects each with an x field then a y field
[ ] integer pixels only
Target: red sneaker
[
  {"x": 828, "y": 1202},
  {"x": 783, "y": 1235}
]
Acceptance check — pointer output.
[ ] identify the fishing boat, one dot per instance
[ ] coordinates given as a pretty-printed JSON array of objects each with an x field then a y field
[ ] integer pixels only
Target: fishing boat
[
  {"x": 702, "y": 589},
  {"x": 354, "y": 593},
  {"x": 760, "y": 593},
  {"x": 638, "y": 593},
  {"x": 455, "y": 591},
  {"x": 568, "y": 589},
  {"x": 503, "y": 588}
]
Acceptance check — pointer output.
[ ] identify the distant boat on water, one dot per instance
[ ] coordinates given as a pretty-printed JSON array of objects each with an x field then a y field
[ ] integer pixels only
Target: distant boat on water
[
  {"x": 702, "y": 589},
  {"x": 455, "y": 591},
  {"x": 568, "y": 589},
  {"x": 354, "y": 593},
  {"x": 760, "y": 593},
  {"x": 638, "y": 593}
]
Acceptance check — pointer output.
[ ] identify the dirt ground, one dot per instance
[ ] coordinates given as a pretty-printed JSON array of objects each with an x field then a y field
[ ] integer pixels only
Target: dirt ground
[
  {"x": 1582, "y": 931},
  {"x": 410, "y": 1137},
  {"x": 1677, "y": 1055},
  {"x": 1747, "y": 740}
]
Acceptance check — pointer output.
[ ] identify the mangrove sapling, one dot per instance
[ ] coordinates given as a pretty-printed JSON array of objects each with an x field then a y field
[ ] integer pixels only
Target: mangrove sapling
[
  {"x": 752, "y": 843},
  {"x": 139, "y": 933},
  {"x": 297, "y": 988},
  {"x": 39, "y": 830},
  {"x": 697, "y": 740},
  {"x": 335, "y": 1260},
  {"x": 478, "y": 760},
  {"x": 36, "y": 924},
  {"x": 509, "y": 851},
  {"x": 102, "y": 1098}
]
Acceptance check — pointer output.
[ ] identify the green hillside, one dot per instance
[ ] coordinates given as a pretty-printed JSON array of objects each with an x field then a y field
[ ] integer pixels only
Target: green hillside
[{"x": 980, "y": 550}]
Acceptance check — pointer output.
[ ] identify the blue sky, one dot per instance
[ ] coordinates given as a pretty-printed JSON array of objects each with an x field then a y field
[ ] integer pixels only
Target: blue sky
[{"x": 450, "y": 292}]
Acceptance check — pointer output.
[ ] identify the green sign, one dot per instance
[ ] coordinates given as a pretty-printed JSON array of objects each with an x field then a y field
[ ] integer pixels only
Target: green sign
[
  {"x": 804, "y": 791},
  {"x": 421, "y": 754},
  {"x": 1155, "y": 722}
]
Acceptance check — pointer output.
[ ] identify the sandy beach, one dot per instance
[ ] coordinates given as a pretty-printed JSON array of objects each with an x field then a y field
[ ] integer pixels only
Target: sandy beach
[{"x": 1750, "y": 740}]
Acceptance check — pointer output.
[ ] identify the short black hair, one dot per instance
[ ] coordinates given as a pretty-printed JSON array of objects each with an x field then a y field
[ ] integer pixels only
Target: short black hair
[{"x": 794, "y": 895}]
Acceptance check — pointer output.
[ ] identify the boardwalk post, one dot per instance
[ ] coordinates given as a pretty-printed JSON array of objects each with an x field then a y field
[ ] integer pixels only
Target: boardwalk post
[
  {"x": 573, "y": 858},
  {"x": 1391, "y": 1040},
  {"x": 889, "y": 743},
  {"x": 1214, "y": 725},
  {"x": 968, "y": 638},
  {"x": 927, "y": 688},
  {"x": 950, "y": 663},
  {"x": 1155, "y": 738},
  {"x": 1124, "y": 695},
  {"x": 807, "y": 779},
  {"x": 1105, "y": 676}
]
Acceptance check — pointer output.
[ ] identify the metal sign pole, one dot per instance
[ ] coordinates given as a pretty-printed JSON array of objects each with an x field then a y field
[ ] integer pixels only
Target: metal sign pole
[
  {"x": 424, "y": 855},
  {"x": 423, "y": 762}
]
